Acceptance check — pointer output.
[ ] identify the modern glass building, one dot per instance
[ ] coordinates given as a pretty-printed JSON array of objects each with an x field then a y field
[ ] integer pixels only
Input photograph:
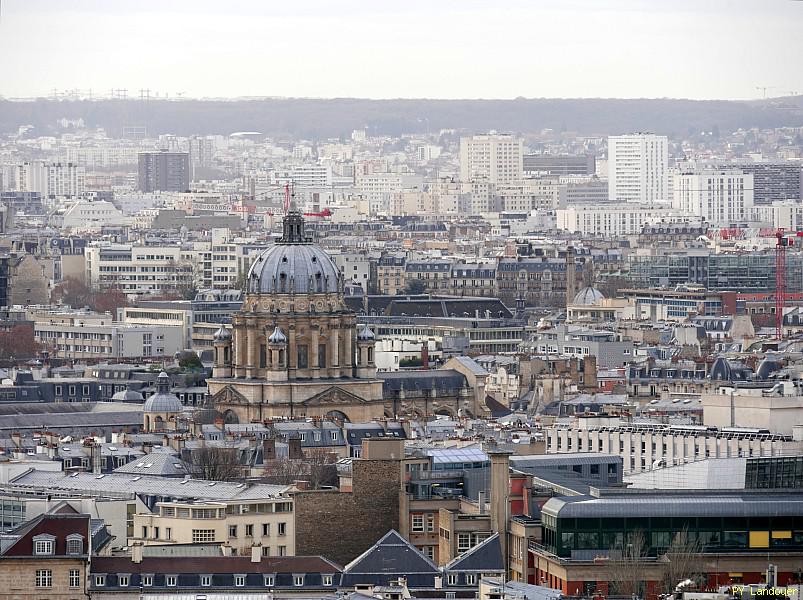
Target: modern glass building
[{"x": 577, "y": 527}]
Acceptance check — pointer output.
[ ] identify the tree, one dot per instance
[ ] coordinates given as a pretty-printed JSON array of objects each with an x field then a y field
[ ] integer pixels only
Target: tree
[
  {"x": 625, "y": 571},
  {"x": 19, "y": 342},
  {"x": 317, "y": 468},
  {"x": 415, "y": 286},
  {"x": 108, "y": 301},
  {"x": 215, "y": 463},
  {"x": 189, "y": 361},
  {"x": 72, "y": 292},
  {"x": 682, "y": 558}
]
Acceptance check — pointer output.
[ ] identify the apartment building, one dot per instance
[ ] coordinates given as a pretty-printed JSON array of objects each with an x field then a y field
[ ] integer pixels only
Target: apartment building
[
  {"x": 138, "y": 270},
  {"x": 638, "y": 167},
  {"x": 164, "y": 171},
  {"x": 390, "y": 274},
  {"x": 50, "y": 179},
  {"x": 648, "y": 446},
  {"x": 241, "y": 524},
  {"x": 723, "y": 198},
  {"x": 609, "y": 220},
  {"x": 496, "y": 158}
]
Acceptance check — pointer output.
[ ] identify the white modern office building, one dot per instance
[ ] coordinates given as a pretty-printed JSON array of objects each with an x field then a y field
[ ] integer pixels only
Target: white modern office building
[
  {"x": 721, "y": 197},
  {"x": 638, "y": 166}
]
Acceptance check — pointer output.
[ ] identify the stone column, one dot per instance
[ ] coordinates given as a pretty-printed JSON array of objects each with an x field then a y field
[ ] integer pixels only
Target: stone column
[
  {"x": 240, "y": 350},
  {"x": 314, "y": 342},
  {"x": 334, "y": 360},
  {"x": 292, "y": 353},
  {"x": 349, "y": 351},
  {"x": 251, "y": 343}
]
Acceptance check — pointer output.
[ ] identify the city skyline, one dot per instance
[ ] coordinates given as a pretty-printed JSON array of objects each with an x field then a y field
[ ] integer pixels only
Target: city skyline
[{"x": 624, "y": 49}]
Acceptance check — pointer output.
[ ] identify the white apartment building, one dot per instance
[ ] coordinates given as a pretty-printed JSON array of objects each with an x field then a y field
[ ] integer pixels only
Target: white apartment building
[
  {"x": 609, "y": 219},
  {"x": 647, "y": 446},
  {"x": 355, "y": 266},
  {"x": 497, "y": 158},
  {"x": 312, "y": 176},
  {"x": 50, "y": 179},
  {"x": 72, "y": 338},
  {"x": 786, "y": 215},
  {"x": 721, "y": 197},
  {"x": 139, "y": 270},
  {"x": 779, "y": 409},
  {"x": 638, "y": 167},
  {"x": 377, "y": 188}
]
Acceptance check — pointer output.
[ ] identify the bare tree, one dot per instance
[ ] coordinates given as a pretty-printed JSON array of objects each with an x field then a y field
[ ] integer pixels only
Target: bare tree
[
  {"x": 215, "y": 463},
  {"x": 682, "y": 558},
  {"x": 317, "y": 468},
  {"x": 625, "y": 572}
]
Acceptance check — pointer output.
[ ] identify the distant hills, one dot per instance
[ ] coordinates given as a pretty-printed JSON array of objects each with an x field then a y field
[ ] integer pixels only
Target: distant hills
[{"x": 337, "y": 117}]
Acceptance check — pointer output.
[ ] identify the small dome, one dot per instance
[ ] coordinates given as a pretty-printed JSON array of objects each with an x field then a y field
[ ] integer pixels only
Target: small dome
[
  {"x": 589, "y": 296},
  {"x": 163, "y": 401},
  {"x": 277, "y": 337},
  {"x": 127, "y": 396},
  {"x": 222, "y": 334},
  {"x": 365, "y": 334}
]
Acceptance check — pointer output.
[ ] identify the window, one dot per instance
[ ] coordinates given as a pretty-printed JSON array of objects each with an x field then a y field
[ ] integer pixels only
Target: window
[
  {"x": 203, "y": 535},
  {"x": 451, "y": 579},
  {"x": 43, "y": 545},
  {"x": 206, "y": 580},
  {"x": 147, "y": 580},
  {"x": 430, "y": 522},
  {"x": 333, "y": 435},
  {"x": 298, "y": 580},
  {"x": 269, "y": 580},
  {"x": 232, "y": 531},
  {"x": 282, "y": 550},
  {"x": 418, "y": 522},
  {"x": 75, "y": 578},
  {"x": 463, "y": 542},
  {"x": 265, "y": 550},
  {"x": 44, "y": 578},
  {"x": 471, "y": 579},
  {"x": 122, "y": 580},
  {"x": 239, "y": 580},
  {"x": 249, "y": 531},
  {"x": 100, "y": 580},
  {"x": 327, "y": 580},
  {"x": 168, "y": 533},
  {"x": 170, "y": 580},
  {"x": 266, "y": 529},
  {"x": 282, "y": 529}
]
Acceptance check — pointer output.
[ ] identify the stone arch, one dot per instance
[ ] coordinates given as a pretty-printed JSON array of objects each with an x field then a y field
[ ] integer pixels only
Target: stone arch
[
  {"x": 158, "y": 423},
  {"x": 338, "y": 416},
  {"x": 147, "y": 423},
  {"x": 230, "y": 417},
  {"x": 445, "y": 411}
]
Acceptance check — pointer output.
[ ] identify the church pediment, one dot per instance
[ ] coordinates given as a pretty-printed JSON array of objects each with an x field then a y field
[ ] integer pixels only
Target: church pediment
[
  {"x": 333, "y": 396},
  {"x": 229, "y": 395}
]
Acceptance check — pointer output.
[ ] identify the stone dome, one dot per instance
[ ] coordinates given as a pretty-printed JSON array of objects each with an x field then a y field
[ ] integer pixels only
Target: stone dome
[
  {"x": 294, "y": 265},
  {"x": 589, "y": 296},
  {"x": 277, "y": 337},
  {"x": 222, "y": 334},
  {"x": 365, "y": 334},
  {"x": 163, "y": 401},
  {"x": 127, "y": 395}
]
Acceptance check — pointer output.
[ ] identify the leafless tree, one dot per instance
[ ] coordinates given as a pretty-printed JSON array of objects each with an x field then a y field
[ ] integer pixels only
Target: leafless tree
[
  {"x": 317, "y": 468},
  {"x": 625, "y": 571},
  {"x": 215, "y": 463},
  {"x": 682, "y": 558}
]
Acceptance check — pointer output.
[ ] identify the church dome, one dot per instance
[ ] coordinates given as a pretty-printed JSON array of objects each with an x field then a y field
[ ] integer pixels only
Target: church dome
[
  {"x": 127, "y": 395},
  {"x": 589, "y": 296},
  {"x": 293, "y": 265},
  {"x": 163, "y": 401}
]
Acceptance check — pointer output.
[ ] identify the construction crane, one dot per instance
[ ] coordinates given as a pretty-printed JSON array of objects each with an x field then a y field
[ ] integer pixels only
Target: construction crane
[{"x": 764, "y": 88}]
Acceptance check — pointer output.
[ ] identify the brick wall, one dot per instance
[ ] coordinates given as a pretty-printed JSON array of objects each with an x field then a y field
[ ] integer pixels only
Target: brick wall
[{"x": 342, "y": 525}]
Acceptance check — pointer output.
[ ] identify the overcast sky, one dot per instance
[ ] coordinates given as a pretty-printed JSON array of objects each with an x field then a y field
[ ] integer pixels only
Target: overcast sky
[{"x": 404, "y": 48}]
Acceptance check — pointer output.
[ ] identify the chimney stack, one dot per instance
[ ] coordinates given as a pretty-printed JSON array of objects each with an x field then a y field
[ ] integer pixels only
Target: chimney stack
[
  {"x": 136, "y": 552},
  {"x": 256, "y": 553},
  {"x": 294, "y": 448},
  {"x": 424, "y": 355},
  {"x": 268, "y": 449}
]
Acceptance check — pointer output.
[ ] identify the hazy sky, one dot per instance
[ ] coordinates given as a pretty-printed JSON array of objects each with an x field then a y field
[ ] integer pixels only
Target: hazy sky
[{"x": 404, "y": 48}]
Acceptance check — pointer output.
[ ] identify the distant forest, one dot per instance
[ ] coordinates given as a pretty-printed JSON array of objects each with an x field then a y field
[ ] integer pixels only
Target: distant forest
[{"x": 317, "y": 119}]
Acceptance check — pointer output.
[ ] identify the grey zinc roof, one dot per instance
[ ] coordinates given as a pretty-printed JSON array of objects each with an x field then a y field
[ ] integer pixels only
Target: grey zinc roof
[
  {"x": 484, "y": 557},
  {"x": 471, "y": 365},
  {"x": 300, "y": 268},
  {"x": 123, "y": 485},
  {"x": 155, "y": 463},
  {"x": 668, "y": 505}
]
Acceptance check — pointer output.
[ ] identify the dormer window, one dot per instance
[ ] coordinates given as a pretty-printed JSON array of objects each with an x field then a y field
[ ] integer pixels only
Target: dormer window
[
  {"x": 44, "y": 545},
  {"x": 75, "y": 544}
]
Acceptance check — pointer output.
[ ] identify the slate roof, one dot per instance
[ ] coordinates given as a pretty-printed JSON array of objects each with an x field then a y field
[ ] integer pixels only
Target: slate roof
[
  {"x": 390, "y": 558},
  {"x": 484, "y": 557},
  {"x": 447, "y": 381},
  {"x": 159, "y": 463}
]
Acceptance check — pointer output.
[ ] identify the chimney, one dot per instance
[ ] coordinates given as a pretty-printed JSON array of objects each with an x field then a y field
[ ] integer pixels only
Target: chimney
[
  {"x": 268, "y": 449},
  {"x": 96, "y": 458},
  {"x": 424, "y": 355},
  {"x": 136, "y": 552},
  {"x": 225, "y": 549},
  {"x": 16, "y": 437},
  {"x": 500, "y": 493},
  {"x": 301, "y": 484},
  {"x": 256, "y": 553},
  {"x": 294, "y": 448}
]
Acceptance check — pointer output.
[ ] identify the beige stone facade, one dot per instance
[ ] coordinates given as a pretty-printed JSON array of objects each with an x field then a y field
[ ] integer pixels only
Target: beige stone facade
[{"x": 38, "y": 578}]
